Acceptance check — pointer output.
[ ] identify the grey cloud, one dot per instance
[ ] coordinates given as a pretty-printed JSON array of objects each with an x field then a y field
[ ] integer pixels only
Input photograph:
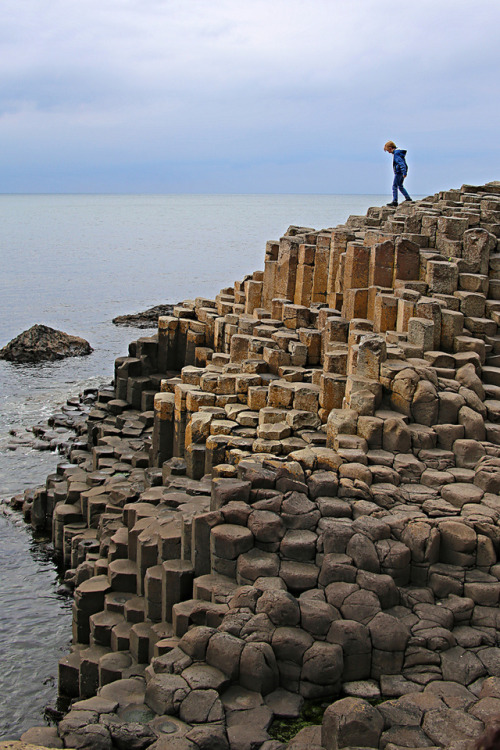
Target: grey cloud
[{"x": 269, "y": 88}]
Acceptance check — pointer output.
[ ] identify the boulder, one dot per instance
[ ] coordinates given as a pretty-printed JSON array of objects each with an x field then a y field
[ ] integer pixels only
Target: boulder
[
  {"x": 128, "y": 735},
  {"x": 354, "y": 638},
  {"x": 146, "y": 319},
  {"x": 281, "y": 608},
  {"x": 42, "y": 343},
  {"x": 323, "y": 664},
  {"x": 349, "y": 722},
  {"x": 258, "y": 668},
  {"x": 165, "y": 693}
]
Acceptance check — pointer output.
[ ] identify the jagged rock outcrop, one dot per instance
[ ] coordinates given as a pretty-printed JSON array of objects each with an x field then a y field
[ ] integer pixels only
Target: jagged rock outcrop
[
  {"x": 42, "y": 343},
  {"x": 146, "y": 319}
]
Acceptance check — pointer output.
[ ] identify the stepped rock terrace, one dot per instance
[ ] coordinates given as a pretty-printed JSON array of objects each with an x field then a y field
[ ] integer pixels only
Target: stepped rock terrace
[{"x": 292, "y": 494}]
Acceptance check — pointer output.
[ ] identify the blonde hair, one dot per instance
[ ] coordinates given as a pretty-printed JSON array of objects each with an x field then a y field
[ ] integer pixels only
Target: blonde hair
[{"x": 389, "y": 144}]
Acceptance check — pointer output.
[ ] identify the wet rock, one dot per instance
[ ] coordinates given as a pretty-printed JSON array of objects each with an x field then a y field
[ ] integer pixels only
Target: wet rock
[
  {"x": 40, "y": 343},
  {"x": 146, "y": 319}
]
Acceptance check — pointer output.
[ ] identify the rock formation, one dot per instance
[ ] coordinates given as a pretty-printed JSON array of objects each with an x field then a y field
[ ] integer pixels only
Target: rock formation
[
  {"x": 292, "y": 493},
  {"x": 146, "y": 319},
  {"x": 42, "y": 343}
]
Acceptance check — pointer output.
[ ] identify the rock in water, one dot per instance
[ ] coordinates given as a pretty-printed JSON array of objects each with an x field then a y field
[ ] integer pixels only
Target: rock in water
[
  {"x": 146, "y": 319},
  {"x": 40, "y": 343}
]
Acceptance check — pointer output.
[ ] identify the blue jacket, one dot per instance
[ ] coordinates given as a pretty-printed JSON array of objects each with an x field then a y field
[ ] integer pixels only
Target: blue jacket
[{"x": 399, "y": 162}]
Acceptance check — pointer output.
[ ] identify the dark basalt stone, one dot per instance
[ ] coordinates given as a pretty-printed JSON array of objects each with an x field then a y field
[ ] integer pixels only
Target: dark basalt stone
[
  {"x": 146, "y": 319},
  {"x": 42, "y": 343}
]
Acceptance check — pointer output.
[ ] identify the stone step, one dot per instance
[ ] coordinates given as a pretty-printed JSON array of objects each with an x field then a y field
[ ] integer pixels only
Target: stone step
[
  {"x": 117, "y": 406},
  {"x": 491, "y": 372},
  {"x": 153, "y": 592},
  {"x": 69, "y": 673},
  {"x": 89, "y": 670},
  {"x": 117, "y": 666},
  {"x": 143, "y": 638},
  {"x": 177, "y": 585},
  {"x": 195, "y": 612},
  {"x": 88, "y": 600},
  {"x": 135, "y": 609},
  {"x": 493, "y": 360},
  {"x": 101, "y": 625},
  {"x": 122, "y": 575},
  {"x": 214, "y": 588},
  {"x": 120, "y": 636},
  {"x": 115, "y": 601},
  {"x": 118, "y": 549}
]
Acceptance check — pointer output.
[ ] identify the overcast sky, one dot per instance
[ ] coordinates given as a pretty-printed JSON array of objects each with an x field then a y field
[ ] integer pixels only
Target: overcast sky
[{"x": 264, "y": 96}]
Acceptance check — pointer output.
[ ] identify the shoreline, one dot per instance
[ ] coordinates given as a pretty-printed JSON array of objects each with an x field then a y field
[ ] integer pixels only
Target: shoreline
[{"x": 274, "y": 504}]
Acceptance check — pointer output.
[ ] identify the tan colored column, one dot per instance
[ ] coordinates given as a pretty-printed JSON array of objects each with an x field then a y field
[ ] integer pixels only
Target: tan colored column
[
  {"x": 381, "y": 268},
  {"x": 385, "y": 313},
  {"x": 321, "y": 264},
  {"x": 270, "y": 271},
  {"x": 163, "y": 429}
]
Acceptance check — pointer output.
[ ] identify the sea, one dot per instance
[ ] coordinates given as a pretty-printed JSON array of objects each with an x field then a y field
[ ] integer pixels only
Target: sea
[{"x": 74, "y": 262}]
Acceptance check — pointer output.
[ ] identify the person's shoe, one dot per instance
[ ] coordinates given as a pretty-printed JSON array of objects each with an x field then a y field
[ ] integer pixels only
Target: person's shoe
[
  {"x": 393, "y": 204},
  {"x": 410, "y": 200}
]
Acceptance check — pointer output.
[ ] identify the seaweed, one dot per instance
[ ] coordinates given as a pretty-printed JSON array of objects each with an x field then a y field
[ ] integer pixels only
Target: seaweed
[{"x": 312, "y": 712}]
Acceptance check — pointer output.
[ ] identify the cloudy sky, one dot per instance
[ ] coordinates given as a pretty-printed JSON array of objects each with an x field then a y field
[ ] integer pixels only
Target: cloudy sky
[{"x": 265, "y": 96}]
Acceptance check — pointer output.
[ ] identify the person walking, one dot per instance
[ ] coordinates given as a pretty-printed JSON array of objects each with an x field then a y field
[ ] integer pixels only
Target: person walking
[{"x": 400, "y": 171}]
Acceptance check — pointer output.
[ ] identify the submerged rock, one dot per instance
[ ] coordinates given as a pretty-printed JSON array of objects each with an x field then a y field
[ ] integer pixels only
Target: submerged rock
[
  {"x": 41, "y": 342},
  {"x": 146, "y": 319}
]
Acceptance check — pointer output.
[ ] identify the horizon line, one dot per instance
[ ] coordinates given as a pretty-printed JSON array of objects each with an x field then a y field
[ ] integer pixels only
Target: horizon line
[{"x": 110, "y": 193}]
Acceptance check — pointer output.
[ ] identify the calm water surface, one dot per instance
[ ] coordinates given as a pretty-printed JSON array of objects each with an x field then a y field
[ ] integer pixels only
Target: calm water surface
[
  {"x": 74, "y": 262},
  {"x": 36, "y": 628}
]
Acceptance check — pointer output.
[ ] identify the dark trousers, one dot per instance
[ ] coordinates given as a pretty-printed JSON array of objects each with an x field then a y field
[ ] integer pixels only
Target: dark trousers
[{"x": 398, "y": 185}]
